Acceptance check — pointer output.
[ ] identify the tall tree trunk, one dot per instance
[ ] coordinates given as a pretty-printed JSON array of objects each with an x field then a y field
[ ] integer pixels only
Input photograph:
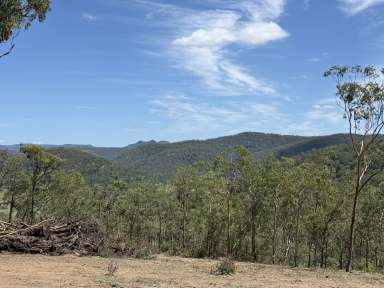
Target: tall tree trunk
[
  {"x": 296, "y": 255},
  {"x": 326, "y": 253},
  {"x": 228, "y": 225},
  {"x": 32, "y": 212},
  {"x": 341, "y": 255},
  {"x": 11, "y": 206},
  {"x": 184, "y": 204},
  {"x": 367, "y": 253},
  {"x": 324, "y": 240},
  {"x": 274, "y": 235},
  {"x": 253, "y": 232},
  {"x": 159, "y": 239},
  {"x": 352, "y": 227}
]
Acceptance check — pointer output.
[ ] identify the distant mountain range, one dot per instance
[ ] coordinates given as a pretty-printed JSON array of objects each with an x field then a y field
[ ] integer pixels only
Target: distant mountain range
[
  {"x": 159, "y": 160},
  {"x": 104, "y": 152}
]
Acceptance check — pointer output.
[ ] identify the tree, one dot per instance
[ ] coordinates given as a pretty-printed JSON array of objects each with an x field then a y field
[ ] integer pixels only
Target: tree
[
  {"x": 41, "y": 165},
  {"x": 14, "y": 181},
  {"x": 361, "y": 94},
  {"x": 16, "y": 15},
  {"x": 275, "y": 175},
  {"x": 228, "y": 166},
  {"x": 251, "y": 183},
  {"x": 67, "y": 197}
]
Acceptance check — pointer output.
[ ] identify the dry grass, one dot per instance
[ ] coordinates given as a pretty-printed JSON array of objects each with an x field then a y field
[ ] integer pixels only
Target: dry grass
[{"x": 20, "y": 271}]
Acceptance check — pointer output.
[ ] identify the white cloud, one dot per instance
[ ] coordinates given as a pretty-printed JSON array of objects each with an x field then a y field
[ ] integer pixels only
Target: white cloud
[
  {"x": 85, "y": 107},
  {"x": 307, "y": 4},
  {"x": 321, "y": 118},
  {"x": 205, "y": 40},
  {"x": 300, "y": 77},
  {"x": 306, "y": 128},
  {"x": 313, "y": 60},
  {"x": 326, "y": 110},
  {"x": 188, "y": 115},
  {"x": 88, "y": 17},
  {"x": 353, "y": 7}
]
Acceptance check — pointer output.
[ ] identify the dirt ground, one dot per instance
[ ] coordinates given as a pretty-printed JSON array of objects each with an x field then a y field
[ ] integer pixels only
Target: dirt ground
[{"x": 19, "y": 271}]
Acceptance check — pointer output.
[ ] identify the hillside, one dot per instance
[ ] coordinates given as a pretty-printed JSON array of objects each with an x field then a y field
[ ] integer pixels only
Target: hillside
[
  {"x": 161, "y": 161},
  {"x": 104, "y": 152},
  {"x": 96, "y": 170}
]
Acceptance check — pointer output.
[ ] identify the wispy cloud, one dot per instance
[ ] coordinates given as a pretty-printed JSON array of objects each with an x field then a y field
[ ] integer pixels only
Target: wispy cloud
[
  {"x": 205, "y": 40},
  {"x": 189, "y": 115},
  {"x": 88, "y": 17},
  {"x": 320, "y": 119},
  {"x": 85, "y": 107},
  {"x": 203, "y": 51},
  {"x": 307, "y": 4},
  {"x": 313, "y": 60},
  {"x": 326, "y": 110},
  {"x": 353, "y": 7}
]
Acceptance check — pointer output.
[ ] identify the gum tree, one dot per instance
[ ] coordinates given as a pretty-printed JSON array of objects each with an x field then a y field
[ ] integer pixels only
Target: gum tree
[
  {"x": 17, "y": 15},
  {"x": 41, "y": 165},
  {"x": 360, "y": 92}
]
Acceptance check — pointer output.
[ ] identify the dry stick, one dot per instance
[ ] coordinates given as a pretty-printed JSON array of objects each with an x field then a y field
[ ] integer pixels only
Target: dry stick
[
  {"x": 7, "y": 224},
  {"x": 26, "y": 229}
]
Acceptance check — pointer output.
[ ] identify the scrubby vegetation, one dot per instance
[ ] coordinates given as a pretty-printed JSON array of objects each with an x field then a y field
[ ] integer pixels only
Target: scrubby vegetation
[
  {"x": 291, "y": 211},
  {"x": 226, "y": 266}
]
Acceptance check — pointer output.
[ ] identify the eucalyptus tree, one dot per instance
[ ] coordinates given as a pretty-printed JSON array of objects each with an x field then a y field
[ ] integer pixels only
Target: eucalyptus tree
[
  {"x": 249, "y": 180},
  {"x": 360, "y": 92},
  {"x": 67, "y": 197},
  {"x": 299, "y": 190},
  {"x": 228, "y": 166},
  {"x": 185, "y": 188},
  {"x": 16, "y": 15},
  {"x": 325, "y": 203},
  {"x": 14, "y": 182},
  {"x": 41, "y": 165},
  {"x": 275, "y": 178},
  {"x": 213, "y": 210}
]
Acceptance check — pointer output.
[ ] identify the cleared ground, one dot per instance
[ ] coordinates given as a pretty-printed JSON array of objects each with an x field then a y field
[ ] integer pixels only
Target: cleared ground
[{"x": 71, "y": 271}]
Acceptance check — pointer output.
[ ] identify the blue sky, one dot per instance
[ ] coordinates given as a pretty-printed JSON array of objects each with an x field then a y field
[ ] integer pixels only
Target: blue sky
[{"x": 112, "y": 72}]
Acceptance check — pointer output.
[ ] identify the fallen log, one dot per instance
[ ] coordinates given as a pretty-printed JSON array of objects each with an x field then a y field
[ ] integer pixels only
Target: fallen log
[{"x": 48, "y": 237}]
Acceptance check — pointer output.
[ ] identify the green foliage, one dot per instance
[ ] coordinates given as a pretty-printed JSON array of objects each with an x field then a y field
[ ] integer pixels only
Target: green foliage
[
  {"x": 361, "y": 92},
  {"x": 41, "y": 166},
  {"x": 290, "y": 211},
  {"x": 95, "y": 170},
  {"x": 17, "y": 15},
  {"x": 159, "y": 162},
  {"x": 226, "y": 266}
]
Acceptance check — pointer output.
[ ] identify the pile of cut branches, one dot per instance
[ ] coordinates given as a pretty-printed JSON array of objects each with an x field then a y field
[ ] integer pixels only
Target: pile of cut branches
[{"x": 49, "y": 237}]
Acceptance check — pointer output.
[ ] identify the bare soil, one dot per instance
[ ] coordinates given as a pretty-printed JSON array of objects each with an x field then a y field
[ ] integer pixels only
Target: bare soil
[{"x": 19, "y": 271}]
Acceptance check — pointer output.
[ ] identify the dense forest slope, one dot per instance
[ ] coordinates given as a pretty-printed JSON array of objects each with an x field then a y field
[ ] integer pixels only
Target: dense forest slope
[
  {"x": 96, "y": 170},
  {"x": 159, "y": 160}
]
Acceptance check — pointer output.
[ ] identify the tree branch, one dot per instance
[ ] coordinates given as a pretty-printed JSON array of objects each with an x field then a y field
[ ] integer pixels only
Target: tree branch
[{"x": 8, "y": 52}]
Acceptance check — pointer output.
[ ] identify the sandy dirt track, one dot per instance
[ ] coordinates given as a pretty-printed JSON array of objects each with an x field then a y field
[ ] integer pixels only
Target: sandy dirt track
[{"x": 20, "y": 271}]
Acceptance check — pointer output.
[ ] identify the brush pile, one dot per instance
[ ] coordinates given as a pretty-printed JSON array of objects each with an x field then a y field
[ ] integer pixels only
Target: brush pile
[{"x": 48, "y": 237}]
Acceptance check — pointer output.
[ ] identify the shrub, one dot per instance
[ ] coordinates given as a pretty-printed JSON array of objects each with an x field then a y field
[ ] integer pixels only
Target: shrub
[
  {"x": 226, "y": 266},
  {"x": 143, "y": 253},
  {"x": 112, "y": 268}
]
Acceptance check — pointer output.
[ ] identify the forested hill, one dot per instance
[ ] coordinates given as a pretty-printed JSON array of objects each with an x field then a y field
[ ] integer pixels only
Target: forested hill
[
  {"x": 104, "y": 152},
  {"x": 159, "y": 160}
]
